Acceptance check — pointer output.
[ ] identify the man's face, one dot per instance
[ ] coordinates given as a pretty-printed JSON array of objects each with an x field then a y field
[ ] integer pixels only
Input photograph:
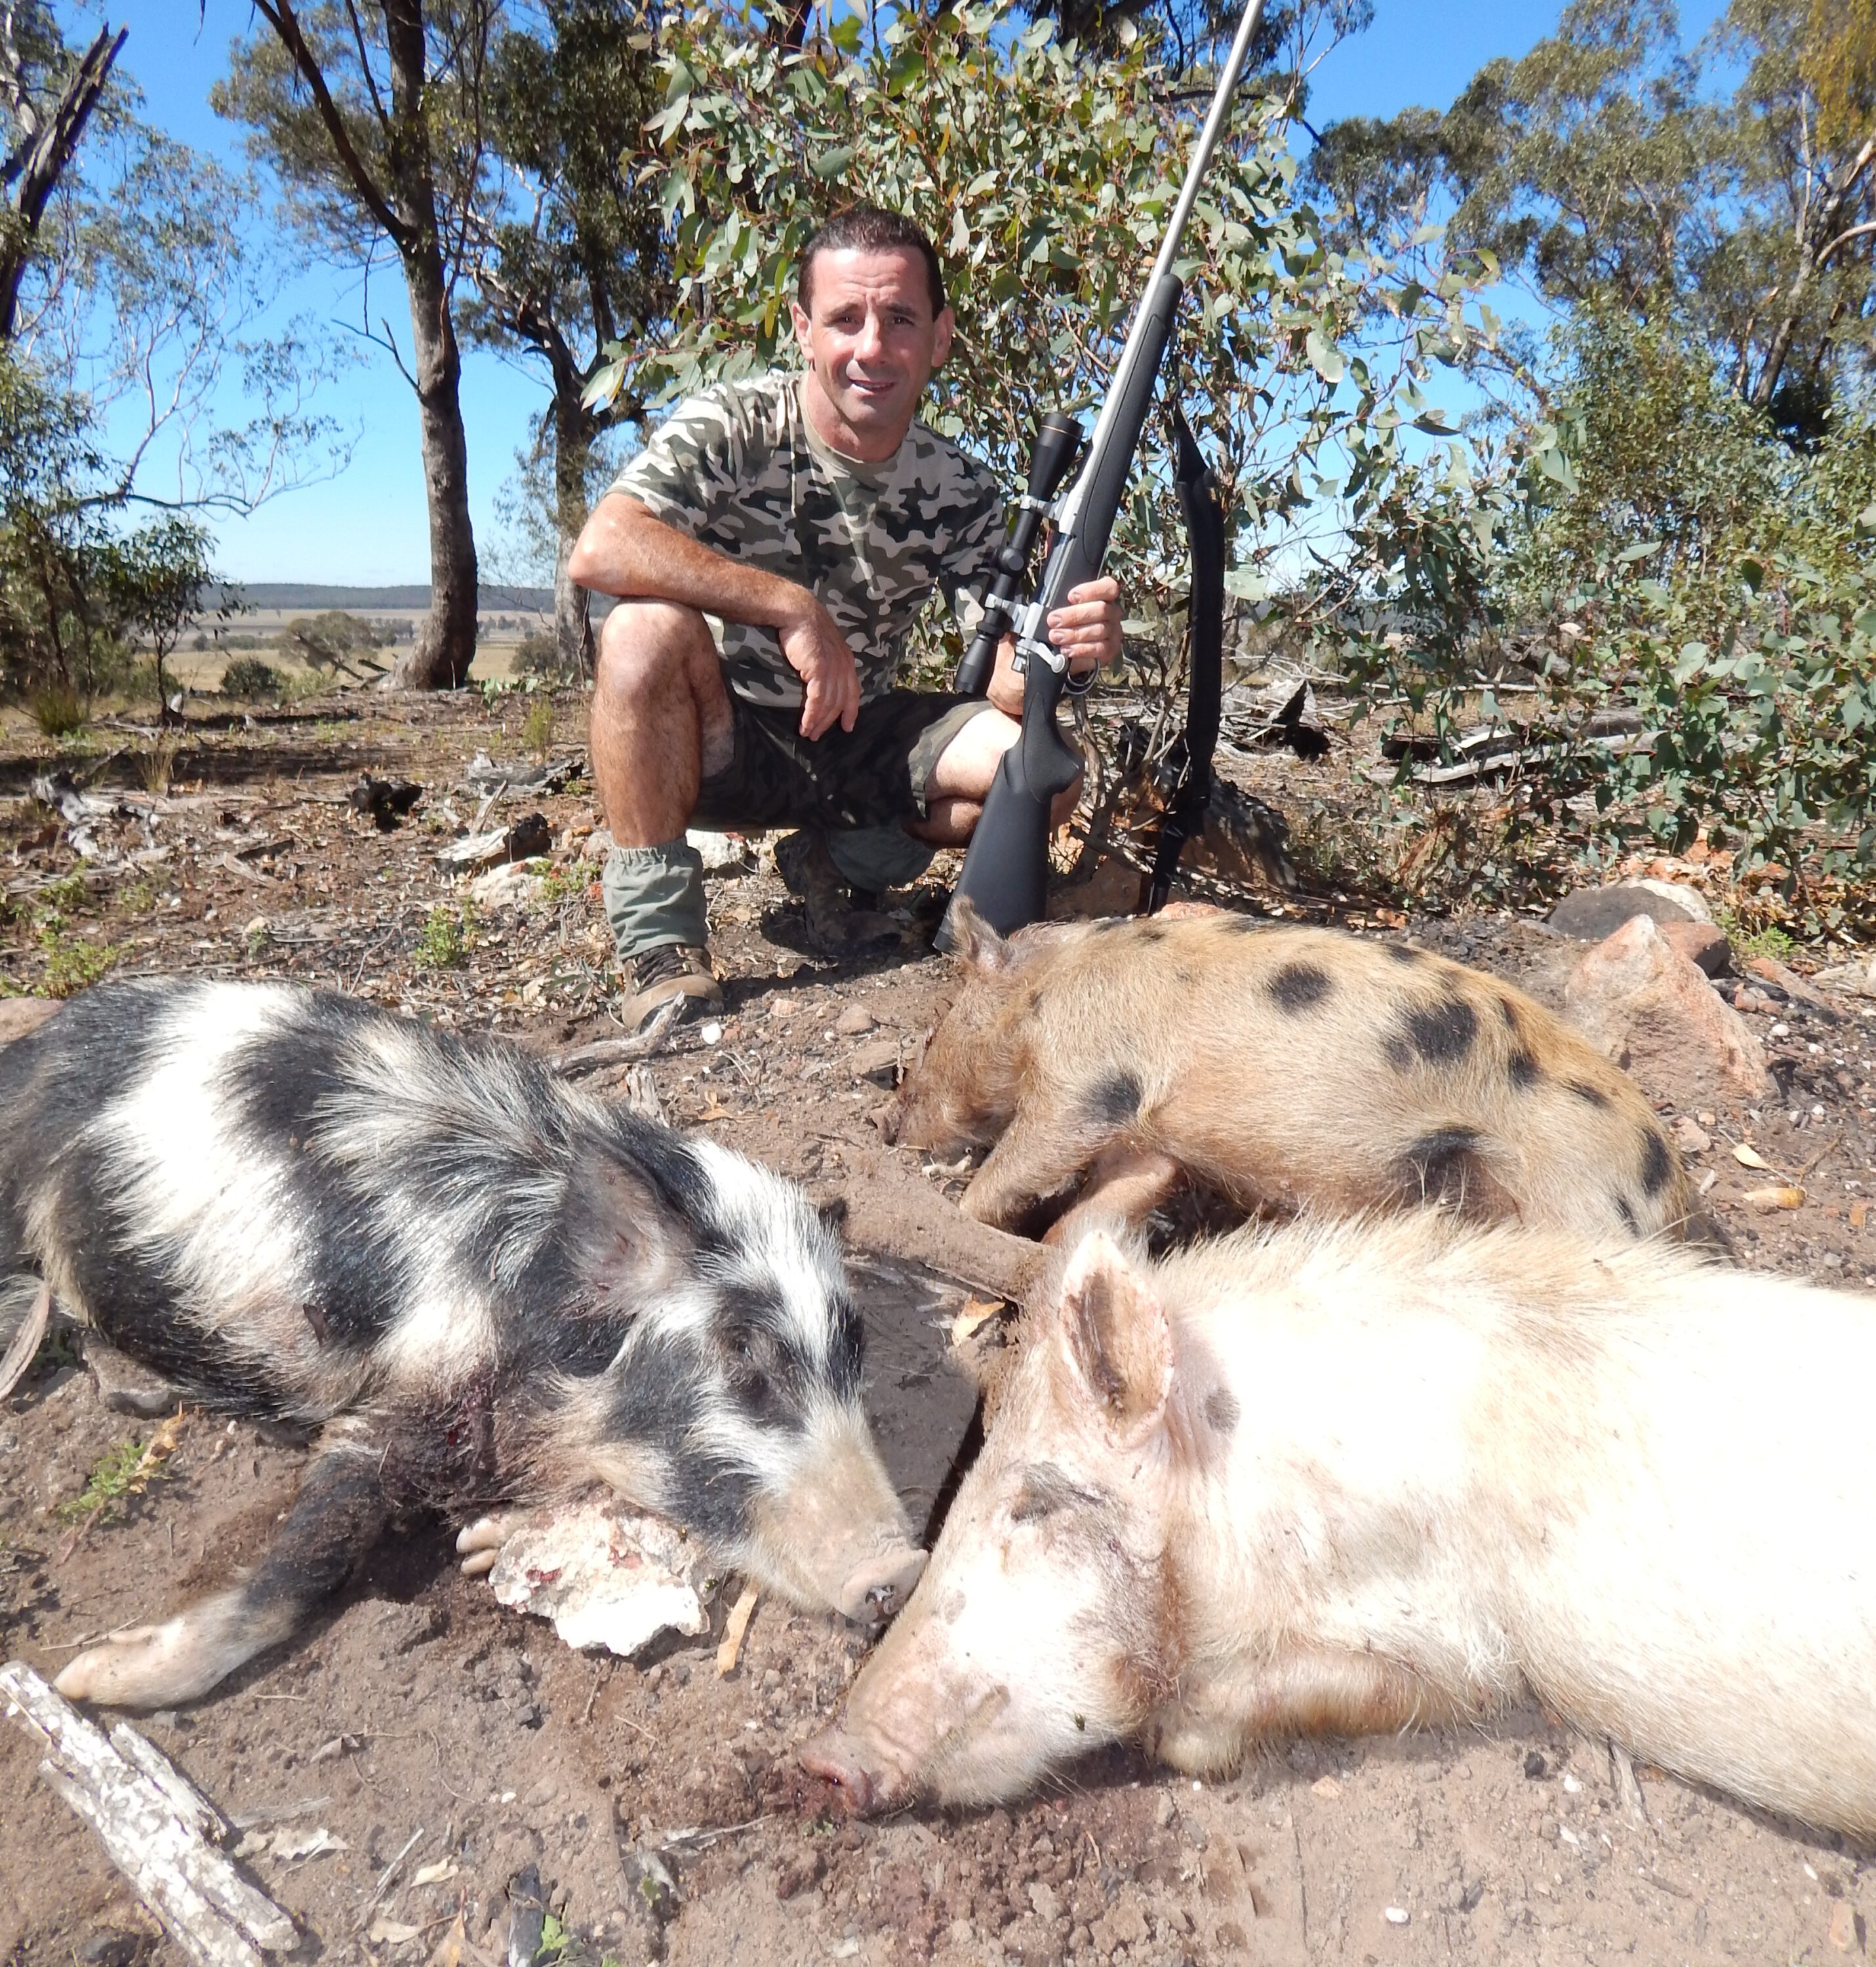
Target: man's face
[{"x": 871, "y": 344}]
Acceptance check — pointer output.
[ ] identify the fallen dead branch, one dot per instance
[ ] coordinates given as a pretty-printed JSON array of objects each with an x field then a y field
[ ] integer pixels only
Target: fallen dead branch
[
  {"x": 620, "y": 1051},
  {"x": 161, "y": 1832}
]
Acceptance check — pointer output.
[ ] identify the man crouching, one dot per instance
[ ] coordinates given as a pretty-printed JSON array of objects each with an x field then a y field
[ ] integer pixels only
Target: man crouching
[{"x": 771, "y": 548}]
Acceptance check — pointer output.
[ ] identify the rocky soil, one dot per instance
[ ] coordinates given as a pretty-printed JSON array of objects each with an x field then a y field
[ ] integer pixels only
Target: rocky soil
[{"x": 396, "y": 1771}]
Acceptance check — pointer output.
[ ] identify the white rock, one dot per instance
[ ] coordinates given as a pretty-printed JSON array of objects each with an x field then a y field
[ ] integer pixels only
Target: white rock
[
  {"x": 605, "y": 1577},
  {"x": 721, "y": 853},
  {"x": 514, "y": 885}
]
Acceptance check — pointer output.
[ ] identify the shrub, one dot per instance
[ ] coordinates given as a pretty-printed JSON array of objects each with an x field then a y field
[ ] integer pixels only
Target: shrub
[
  {"x": 252, "y": 680},
  {"x": 443, "y": 942}
]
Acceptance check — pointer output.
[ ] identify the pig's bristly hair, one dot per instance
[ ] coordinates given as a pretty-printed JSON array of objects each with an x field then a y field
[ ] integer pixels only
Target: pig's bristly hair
[
  {"x": 304, "y": 1202},
  {"x": 483, "y": 1285}
]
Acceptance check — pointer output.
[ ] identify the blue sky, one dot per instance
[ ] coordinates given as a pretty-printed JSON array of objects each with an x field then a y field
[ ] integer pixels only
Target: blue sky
[{"x": 367, "y": 526}]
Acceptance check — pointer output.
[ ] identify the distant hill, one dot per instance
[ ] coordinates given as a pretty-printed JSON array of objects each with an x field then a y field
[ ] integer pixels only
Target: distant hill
[{"x": 310, "y": 597}]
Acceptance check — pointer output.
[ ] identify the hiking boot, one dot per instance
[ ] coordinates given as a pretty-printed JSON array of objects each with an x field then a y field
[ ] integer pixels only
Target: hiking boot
[
  {"x": 834, "y": 921},
  {"x": 672, "y": 970}
]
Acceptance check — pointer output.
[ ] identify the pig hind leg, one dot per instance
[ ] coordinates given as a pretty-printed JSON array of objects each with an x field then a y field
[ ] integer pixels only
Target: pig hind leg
[{"x": 338, "y": 1515}]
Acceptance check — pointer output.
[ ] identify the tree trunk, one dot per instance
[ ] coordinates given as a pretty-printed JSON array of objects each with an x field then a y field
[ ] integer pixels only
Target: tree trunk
[
  {"x": 444, "y": 646},
  {"x": 572, "y": 446},
  {"x": 1816, "y": 246}
]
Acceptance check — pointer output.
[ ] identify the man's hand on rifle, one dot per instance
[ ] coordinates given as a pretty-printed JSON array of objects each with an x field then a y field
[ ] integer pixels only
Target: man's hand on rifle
[
  {"x": 819, "y": 653},
  {"x": 1085, "y": 628}
]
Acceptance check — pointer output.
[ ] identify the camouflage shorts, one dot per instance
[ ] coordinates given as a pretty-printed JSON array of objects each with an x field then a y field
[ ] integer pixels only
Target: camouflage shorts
[{"x": 871, "y": 776}]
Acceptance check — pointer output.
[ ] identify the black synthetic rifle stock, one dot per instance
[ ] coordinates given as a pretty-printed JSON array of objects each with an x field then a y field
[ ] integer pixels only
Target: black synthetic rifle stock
[{"x": 1005, "y": 872}]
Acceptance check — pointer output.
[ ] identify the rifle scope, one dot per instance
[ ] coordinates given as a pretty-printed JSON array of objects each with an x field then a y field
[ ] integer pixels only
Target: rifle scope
[{"x": 1057, "y": 440}]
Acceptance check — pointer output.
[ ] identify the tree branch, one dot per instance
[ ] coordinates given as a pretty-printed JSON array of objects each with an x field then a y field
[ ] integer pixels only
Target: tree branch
[
  {"x": 47, "y": 155},
  {"x": 279, "y": 16}
]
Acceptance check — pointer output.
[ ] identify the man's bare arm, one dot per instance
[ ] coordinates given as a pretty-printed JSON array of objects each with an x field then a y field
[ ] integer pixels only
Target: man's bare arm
[{"x": 625, "y": 550}]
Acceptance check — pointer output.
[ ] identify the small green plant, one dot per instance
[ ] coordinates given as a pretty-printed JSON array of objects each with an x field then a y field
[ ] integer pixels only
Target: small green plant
[
  {"x": 562, "y": 883},
  {"x": 1771, "y": 941},
  {"x": 537, "y": 730},
  {"x": 59, "y": 710},
  {"x": 257, "y": 939},
  {"x": 140, "y": 897},
  {"x": 72, "y": 965},
  {"x": 125, "y": 1471},
  {"x": 445, "y": 940},
  {"x": 555, "y": 1938},
  {"x": 58, "y": 899}
]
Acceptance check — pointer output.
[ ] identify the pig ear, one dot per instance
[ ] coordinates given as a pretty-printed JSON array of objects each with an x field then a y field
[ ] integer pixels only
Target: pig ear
[
  {"x": 1115, "y": 1333},
  {"x": 975, "y": 944}
]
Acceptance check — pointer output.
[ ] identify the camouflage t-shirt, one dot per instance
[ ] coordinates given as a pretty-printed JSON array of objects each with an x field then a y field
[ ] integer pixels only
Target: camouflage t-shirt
[{"x": 739, "y": 468}]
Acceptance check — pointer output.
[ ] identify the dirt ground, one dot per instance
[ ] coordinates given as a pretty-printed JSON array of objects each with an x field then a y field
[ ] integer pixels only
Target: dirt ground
[{"x": 422, "y": 1729}]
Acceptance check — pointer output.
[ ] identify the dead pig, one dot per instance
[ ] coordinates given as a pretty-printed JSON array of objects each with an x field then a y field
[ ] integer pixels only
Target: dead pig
[
  {"x": 478, "y": 1284},
  {"x": 1281, "y": 1067},
  {"x": 1363, "y": 1477}
]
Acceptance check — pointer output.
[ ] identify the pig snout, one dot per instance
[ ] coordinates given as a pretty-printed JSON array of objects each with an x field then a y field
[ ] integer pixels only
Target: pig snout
[
  {"x": 836, "y": 1533},
  {"x": 837, "y": 1757},
  {"x": 880, "y": 1583}
]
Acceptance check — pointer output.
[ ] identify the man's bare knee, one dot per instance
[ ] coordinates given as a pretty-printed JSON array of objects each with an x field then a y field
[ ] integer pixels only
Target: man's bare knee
[{"x": 644, "y": 643}]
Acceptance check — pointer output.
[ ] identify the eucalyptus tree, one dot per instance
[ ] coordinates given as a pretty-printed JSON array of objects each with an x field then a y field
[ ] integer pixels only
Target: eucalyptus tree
[
  {"x": 371, "y": 117},
  {"x": 1731, "y": 188},
  {"x": 566, "y": 244},
  {"x": 132, "y": 299},
  {"x": 48, "y": 94}
]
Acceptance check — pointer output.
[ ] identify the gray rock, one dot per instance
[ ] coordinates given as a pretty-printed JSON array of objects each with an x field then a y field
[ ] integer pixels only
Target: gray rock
[
  {"x": 1593, "y": 913},
  {"x": 878, "y": 1061},
  {"x": 125, "y": 1387}
]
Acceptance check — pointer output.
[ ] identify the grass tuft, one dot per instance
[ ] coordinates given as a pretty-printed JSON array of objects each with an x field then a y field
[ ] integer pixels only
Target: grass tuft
[{"x": 59, "y": 710}]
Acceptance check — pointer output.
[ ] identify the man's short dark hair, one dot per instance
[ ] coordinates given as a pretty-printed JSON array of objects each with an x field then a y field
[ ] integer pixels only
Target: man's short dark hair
[{"x": 868, "y": 228}]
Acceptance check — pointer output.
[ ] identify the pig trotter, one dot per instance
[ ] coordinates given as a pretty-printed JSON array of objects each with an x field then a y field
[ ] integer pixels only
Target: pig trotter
[
  {"x": 337, "y": 1516},
  {"x": 479, "y": 1543},
  {"x": 1126, "y": 1184},
  {"x": 1038, "y": 1156}
]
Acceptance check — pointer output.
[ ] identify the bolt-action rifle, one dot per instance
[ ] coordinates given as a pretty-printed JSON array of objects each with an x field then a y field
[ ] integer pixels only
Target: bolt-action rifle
[{"x": 1005, "y": 873}]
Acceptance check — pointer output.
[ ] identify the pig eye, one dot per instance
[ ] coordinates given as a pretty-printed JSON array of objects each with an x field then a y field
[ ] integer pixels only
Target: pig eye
[
  {"x": 1045, "y": 1491},
  {"x": 761, "y": 1374}
]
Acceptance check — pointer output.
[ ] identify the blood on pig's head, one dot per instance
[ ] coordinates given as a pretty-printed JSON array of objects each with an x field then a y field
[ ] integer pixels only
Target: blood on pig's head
[{"x": 1039, "y": 1630}]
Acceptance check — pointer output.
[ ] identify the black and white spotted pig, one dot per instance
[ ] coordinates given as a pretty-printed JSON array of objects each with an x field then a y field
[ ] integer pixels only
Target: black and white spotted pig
[
  {"x": 1281, "y": 1067},
  {"x": 480, "y": 1286}
]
